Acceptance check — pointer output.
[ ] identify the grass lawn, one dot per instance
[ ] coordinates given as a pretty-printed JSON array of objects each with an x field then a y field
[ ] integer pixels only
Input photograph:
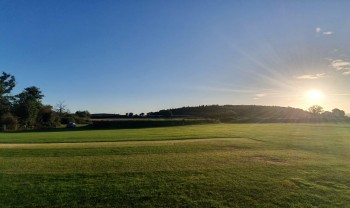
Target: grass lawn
[{"x": 218, "y": 165}]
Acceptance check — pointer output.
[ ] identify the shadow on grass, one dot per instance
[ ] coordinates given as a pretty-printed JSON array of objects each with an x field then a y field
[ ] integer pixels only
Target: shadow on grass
[
  {"x": 125, "y": 124},
  {"x": 60, "y": 129},
  {"x": 87, "y": 128},
  {"x": 91, "y": 128}
]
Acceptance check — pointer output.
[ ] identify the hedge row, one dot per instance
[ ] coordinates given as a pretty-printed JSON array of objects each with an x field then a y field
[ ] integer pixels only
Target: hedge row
[{"x": 148, "y": 123}]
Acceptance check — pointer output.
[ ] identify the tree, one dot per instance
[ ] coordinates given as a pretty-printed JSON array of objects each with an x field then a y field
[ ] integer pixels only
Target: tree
[
  {"x": 47, "y": 117},
  {"x": 327, "y": 114},
  {"x": 166, "y": 113},
  {"x": 27, "y": 105},
  {"x": 7, "y": 83},
  {"x": 64, "y": 113},
  {"x": 338, "y": 113},
  {"x": 82, "y": 117},
  {"x": 61, "y": 108},
  {"x": 315, "y": 109},
  {"x": 83, "y": 114},
  {"x": 9, "y": 122}
]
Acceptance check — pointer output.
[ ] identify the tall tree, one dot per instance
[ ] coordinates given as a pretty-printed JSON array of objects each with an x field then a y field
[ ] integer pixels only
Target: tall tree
[
  {"x": 315, "y": 109},
  {"x": 338, "y": 113},
  {"x": 61, "y": 108},
  {"x": 7, "y": 83},
  {"x": 27, "y": 105}
]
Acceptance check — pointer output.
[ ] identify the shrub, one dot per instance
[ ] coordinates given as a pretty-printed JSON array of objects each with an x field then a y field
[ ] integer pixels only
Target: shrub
[
  {"x": 148, "y": 123},
  {"x": 67, "y": 120},
  {"x": 47, "y": 118},
  {"x": 9, "y": 122}
]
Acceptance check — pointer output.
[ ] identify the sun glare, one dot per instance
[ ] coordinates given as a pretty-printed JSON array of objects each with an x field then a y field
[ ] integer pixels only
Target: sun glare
[{"x": 314, "y": 95}]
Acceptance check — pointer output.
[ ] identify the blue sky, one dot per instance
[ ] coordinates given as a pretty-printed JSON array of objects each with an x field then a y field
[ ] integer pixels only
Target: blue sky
[{"x": 141, "y": 56}]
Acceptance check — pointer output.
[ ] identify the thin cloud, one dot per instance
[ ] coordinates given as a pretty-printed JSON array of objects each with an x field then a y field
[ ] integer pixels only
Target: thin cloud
[
  {"x": 340, "y": 64},
  {"x": 261, "y": 95},
  {"x": 346, "y": 73},
  {"x": 328, "y": 33},
  {"x": 311, "y": 76},
  {"x": 318, "y": 30}
]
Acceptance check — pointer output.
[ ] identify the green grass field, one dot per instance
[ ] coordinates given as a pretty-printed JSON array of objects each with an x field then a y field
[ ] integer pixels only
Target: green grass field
[{"x": 218, "y": 165}]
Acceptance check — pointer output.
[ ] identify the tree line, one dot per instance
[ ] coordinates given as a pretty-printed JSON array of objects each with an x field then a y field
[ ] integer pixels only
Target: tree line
[
  {"x": 255, "y": 113},
  {"x": 27, "y": 111},
  {"x": 241, "y": 113}
]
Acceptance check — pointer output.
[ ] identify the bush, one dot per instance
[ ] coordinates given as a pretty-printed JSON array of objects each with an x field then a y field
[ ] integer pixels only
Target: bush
[
  {"x": 9, "y": 122},
  {"x": 67, "y": 120},
  {"x": 47, "y": 118},
  {"x": 148, "y": 123},
  {"x": 81, "y": 120}
]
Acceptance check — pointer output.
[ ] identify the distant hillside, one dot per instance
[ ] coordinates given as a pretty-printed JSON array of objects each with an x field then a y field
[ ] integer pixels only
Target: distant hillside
[{"x": 247, "y": 113}]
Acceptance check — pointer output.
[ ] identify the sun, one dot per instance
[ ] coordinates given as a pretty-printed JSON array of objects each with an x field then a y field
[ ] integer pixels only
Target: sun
[{"x": 314, "y": 95}]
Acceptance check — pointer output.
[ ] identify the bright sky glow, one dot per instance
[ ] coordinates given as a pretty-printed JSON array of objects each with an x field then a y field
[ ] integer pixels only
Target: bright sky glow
[
  {"x": 314, "y": 95},
  {"x": 140, "y": 56}
]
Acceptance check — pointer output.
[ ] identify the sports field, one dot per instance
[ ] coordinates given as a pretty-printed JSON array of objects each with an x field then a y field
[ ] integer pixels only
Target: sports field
[{"x": 217, "y": 165}]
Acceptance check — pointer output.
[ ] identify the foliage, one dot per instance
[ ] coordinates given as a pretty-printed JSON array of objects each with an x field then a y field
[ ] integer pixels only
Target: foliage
[
  {"x": 241, "y": 113},
  {"x": 31, "y": 113},
  {"x": 83, "y": 114},
  {"x": 147, "y": 123},
  {"x": 164, "y": 113},
  {"x": 5, "y": 105},
  {"x": 82, "y": 117},
  {"x": 28, "y": 105},
  {"x": 236, "y": 114},
  {"x": 7, "y": 83},
  {"x": 9, "y": 122},
  {"x": 47, "y": 117},
  {"x": 67, "y": 119},
  {"x": 30, "y": 93},
  {"x": 61, "y": 109},
  {"x": 315, "y": 109},
  {"x": 338, "y": 113}
]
